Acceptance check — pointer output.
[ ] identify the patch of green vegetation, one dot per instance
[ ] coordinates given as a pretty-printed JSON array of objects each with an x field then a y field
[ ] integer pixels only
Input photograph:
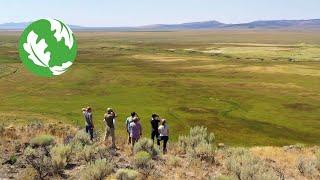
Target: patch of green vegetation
[{"x": 222, "y": 84}]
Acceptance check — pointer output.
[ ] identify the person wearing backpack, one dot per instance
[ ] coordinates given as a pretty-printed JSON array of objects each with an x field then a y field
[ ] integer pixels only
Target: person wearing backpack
[
  {"x": 87, "y": 113},
  {"x": 163, "y": 135},
  {"x": 128, "y": 121}
]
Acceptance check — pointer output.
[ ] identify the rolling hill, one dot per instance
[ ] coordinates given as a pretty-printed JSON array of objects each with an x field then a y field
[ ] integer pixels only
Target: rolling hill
[{"x": 269, "y": 24}]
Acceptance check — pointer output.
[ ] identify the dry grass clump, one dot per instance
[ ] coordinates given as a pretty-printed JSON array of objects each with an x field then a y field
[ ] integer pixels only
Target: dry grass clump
[
  {"x": 127, "y": 174},
  {"x": 198, "y": 144},
  {"x": 96, "y": 170}
]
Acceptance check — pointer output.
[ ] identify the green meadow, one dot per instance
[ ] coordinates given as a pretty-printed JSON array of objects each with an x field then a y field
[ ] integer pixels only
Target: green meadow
[{"x": 258, "y": 87}]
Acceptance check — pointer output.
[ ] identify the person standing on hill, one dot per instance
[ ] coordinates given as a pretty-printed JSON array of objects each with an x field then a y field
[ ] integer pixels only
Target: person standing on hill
[
  {"x": 155, "y": 120},
  {"x": 110, "y": 130},
  {"x": 87, "y": 113},
  {"x": 164, "y": 135},
  {"x": 135, "y": 130},
  {"x": 128, "y": 121}
]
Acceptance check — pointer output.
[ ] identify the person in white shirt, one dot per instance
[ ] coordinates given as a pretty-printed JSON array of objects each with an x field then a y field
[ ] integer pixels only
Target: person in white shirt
[{"x": 163, "y": 135}]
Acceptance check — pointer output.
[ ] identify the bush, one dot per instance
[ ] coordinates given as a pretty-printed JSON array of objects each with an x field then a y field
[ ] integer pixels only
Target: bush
[
  {"x": 102, "y": 151},
  {"x": 28, "y": 174},
  {"x": 147, "y": 146},
  {"x": 142, "y": 160},
  {"x": 127, "y": 174},
  {"x": 174, "y": 161},
  {"x": 222, "y": 177},
  {"x": 88, "y": 153},
  {"x": 307, "y": 167},
  {"x": 60, "y": 156},
  {"x": 198, "y": 144},
  {"x": 96, "y": 170},
  {"x": 2, "y": 129},
  {"x": 42, "y": 140},
  {"x": 39, "y": 160},
  {"x": 82, "y": 137},
  {"x": 317, "y": 154},
  {"x": 245, "y": 166},
  {"x": 12, "y": 160}
]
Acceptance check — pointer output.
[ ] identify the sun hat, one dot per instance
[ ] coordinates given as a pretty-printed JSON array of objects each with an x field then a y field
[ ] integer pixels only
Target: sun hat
[{"x": 109, "y": 110}]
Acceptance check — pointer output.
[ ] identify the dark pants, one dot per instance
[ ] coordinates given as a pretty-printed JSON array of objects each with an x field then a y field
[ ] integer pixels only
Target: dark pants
[
  {"x": 154, "y": 134},
  {"x": 89, "y": 129},
  {"x": 129, "y": 138},
  {"x": 165, "y": 140}
]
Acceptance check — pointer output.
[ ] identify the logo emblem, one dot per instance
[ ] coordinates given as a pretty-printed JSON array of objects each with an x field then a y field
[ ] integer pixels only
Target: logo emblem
[{"x": 47, "y": 47}]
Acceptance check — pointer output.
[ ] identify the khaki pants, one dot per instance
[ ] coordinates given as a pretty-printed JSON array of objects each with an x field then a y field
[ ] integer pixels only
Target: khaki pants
[{"x": 110, "y": 132}]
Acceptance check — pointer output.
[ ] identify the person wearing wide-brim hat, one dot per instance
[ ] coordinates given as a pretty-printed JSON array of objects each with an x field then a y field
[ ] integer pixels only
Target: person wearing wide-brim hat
[{"x": 109, "y": 117}]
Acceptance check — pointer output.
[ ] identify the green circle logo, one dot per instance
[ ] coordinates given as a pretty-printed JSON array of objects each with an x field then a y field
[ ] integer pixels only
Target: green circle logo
[{"x": 47, "y": 47}]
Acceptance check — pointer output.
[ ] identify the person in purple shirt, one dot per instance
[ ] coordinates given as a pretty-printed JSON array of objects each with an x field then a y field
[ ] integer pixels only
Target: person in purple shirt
[{"x": 135, "y": 130}]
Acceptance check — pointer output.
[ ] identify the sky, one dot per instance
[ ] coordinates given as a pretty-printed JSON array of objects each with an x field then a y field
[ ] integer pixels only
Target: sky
[{"x": 115, "y": 13}]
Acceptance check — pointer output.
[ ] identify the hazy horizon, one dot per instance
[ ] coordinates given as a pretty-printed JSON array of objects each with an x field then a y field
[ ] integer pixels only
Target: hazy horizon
[
  {"x": 173, "y": 23},
  {"x": 145, "y": 12}
]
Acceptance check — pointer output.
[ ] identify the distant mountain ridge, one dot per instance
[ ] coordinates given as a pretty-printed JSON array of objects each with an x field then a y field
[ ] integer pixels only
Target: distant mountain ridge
[
  {"x": 191, "y": 25},
  {"x": 311, "y": 23},
  {"x": 268, "y": 24}
]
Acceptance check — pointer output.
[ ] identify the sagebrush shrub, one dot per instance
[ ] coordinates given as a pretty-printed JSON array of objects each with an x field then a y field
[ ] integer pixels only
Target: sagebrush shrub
[
  {"x": 174, "y": 161},
  {"x": 96, "y": 170},
  {"x": 127, "y": 174},
  {"x": 242, "y": 164},
  {"x": 317, "y": 154},
  {"x": 204, "y": 151},
  {"x": 88, "y": 153},
  {"x": 147, "y": 146},
  {"x": 28, "y": 173},
  {"x": 61, "y": 156},
  {"x": 198, "y": 144},
  {"x": 82, "y": 137},
  {"x": 2, "y": 129},
  {"x": 102, "y": 152},
  {"x": 38, "y": 159},
  {"x": 142, "y": 160},
  {"x": 307, "y": 167},
  {"x": 42, "y": 140},
  {"x": 221, "y": 177}
]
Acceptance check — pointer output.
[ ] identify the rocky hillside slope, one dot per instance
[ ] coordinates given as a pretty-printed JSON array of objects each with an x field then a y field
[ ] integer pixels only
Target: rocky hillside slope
[{"x": 59, "y": 151}]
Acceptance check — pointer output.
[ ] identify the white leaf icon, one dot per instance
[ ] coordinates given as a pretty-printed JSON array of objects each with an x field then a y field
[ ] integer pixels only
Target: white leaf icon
[
  {"x": 36, "y": 50},
  {"x": 62, "y": 31},
  {"x": 57, "y": 70}
]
